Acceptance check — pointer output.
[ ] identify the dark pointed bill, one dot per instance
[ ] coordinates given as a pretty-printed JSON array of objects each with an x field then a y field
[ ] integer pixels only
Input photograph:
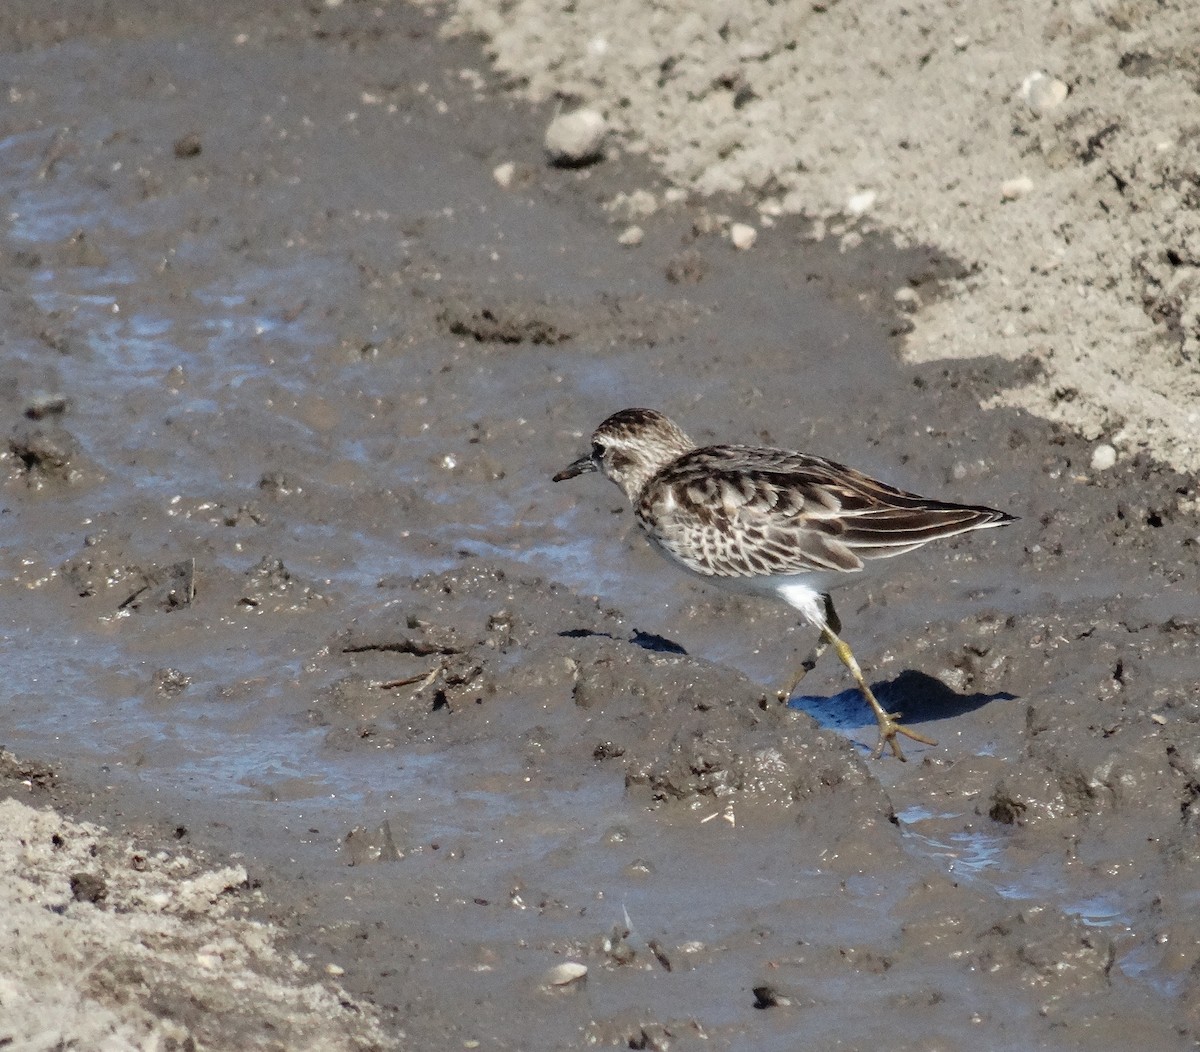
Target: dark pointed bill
[{"x": 577, "y": 467}]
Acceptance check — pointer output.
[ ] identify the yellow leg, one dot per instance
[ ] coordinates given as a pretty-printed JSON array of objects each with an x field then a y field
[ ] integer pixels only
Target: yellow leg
[
  {"x": 806, "y": 666},
  {"x": 889, "y": 725},
  {"x": 814, "y": 655}
]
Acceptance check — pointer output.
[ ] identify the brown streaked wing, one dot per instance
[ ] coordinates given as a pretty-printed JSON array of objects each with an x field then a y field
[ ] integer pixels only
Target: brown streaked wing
[
  {"x": 736, "y": 511},
  {"x": 878, "y": 521},
  {"x": 722, "y": 516}
]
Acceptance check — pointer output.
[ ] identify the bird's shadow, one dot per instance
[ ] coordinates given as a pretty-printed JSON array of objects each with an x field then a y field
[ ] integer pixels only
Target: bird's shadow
[
  {"x": 920, "y": 697},
  {"x": 656, "y": 644}
]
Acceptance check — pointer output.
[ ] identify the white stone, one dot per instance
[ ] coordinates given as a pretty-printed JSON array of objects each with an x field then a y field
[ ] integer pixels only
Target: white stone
[
  {"x": 563, "y": 974},
  {"x": 743, "y": 236},
  {"x": 1011, "y": 189},
  {"x": 1042, "y": 92},
  {"x": 907, "y": 299},
  {"x": 1103, "y": 457},
  {"x": 631, "y": 236},
  {"x": 860, "y": 203},
  {"x": 504, "y": 173},
  {"x": 576, "y": 137}
]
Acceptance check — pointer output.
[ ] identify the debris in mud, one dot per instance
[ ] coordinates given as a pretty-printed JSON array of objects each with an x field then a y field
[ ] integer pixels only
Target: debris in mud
[
  {"x": 628, "y": 1032},
  {"x": 170, "y": 682},
  {"x": 127, "y": 585},
  {"x": 504, "y": 323},
  {"x": 1006, "y": 808},
  {"x": 277, "y": 484},
  {"x": 204, "y": 509},
  {"x": 273, "y": 586},
  {"x": 164, "y": 588},
  {"x": 39, "y": 775},
  {"x": 421, "y": 639},
  {"x": 364, "y": 845},
  {"x": 769, "y": 997},
  {"x": 43, "y": 453}
]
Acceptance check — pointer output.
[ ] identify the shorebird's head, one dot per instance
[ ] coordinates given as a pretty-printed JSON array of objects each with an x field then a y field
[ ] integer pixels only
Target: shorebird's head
[{"x": 631, "y": 447}]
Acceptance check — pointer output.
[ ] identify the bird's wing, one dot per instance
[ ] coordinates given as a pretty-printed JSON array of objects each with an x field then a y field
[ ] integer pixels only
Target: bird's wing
[{"x": 734, "y": 511}]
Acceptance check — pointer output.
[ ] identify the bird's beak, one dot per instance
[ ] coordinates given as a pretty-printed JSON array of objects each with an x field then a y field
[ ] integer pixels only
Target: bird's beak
[{"x": 577, "y": 467}]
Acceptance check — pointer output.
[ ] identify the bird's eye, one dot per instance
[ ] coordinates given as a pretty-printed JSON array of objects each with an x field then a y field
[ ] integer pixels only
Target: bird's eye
[{"x": 598, "y": 450}]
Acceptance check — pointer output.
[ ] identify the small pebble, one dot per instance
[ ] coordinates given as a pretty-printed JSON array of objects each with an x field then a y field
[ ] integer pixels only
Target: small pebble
[
  {"x": 861, "y": 203},
  {"x": 44, "y": 404},
  {"x": 631, "y": 236},
  {"x": 1042, "y": 92},
  {"x": 188, "y": 146},
  {"x": 1103, "y": 457},
  {"x": 503, "y": 174},
  {"x": 743, "y": 236},
  {"x": 907, "y": 299},
  {"x": 564, "y": 974},
  {"x": 334, "y": 969},
  {"x": 576, "y": 138},
  {"x": 1011, "y": 189}
]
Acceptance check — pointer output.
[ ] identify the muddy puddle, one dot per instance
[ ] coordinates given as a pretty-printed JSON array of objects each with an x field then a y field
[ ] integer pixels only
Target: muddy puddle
[{"x": 287, "y": 374}]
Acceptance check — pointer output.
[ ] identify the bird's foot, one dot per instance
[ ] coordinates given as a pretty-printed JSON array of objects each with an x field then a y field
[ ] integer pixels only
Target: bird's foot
[{"x": 889, "y": 728}]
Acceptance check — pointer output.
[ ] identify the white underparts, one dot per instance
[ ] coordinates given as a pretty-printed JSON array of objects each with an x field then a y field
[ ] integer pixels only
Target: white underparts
[{"x": 805, "y": 599}]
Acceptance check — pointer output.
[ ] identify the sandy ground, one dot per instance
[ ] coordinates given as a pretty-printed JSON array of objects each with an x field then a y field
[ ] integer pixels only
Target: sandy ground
[
  {"x": 290, "y": 605},
  {"x": 1076, "y": 221},
  {"x": 101, "y": 932}
]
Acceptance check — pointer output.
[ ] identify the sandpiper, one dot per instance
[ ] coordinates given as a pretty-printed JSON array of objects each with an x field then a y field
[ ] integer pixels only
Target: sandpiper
[{"x": 771, "y": 521}]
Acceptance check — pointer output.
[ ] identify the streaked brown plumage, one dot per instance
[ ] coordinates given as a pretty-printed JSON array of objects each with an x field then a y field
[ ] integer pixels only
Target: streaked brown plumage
[{"x": 770, "y": 521}]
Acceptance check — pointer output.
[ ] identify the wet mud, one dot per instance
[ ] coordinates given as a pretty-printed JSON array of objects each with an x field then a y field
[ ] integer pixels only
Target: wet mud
[{"x": 287, "y": 373}]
